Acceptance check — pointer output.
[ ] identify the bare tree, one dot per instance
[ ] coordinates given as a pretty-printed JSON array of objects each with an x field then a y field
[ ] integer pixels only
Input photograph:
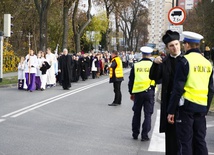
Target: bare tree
[
  {"x": 133, "y": 23},
  {"x": 42, "y": 7},
  {"x": 66, "y": 7},
  {"x": 109, "y": 8},
  {"x": 203, "y": 20},
  {"x": 78, "y": 27}
]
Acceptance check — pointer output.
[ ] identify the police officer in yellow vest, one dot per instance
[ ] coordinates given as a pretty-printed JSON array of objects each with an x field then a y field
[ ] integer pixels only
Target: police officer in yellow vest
[
  {"x": 116, "y": 77},
  {"x": 192, "y": 94},
  {"x": 142, "y": 90}
]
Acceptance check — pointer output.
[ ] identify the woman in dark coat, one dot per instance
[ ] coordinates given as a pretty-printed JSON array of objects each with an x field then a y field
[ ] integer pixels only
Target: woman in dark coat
[
  {"x": 163, "y": 69},
  {"x": 65, "y": 68}
]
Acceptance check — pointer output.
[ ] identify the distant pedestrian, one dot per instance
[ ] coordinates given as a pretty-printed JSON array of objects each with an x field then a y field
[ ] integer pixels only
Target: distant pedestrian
[
  {"x": 38, "y": 72},
  {"x": 76, "y": 69},
  {"x": 51, "y": 72},
  {"x": 212, "y": 54},
  {"x": 94, "y": 66},
  {"x": 131, "y": 59},
  {"x": 30, "y": 70},
  {"x": 116, "y": 77},
  {"x": 83, "y": 67},
  {"x": 21, "y": 75},
  {"x": 43, "y": 68},
  {"x": 207, "y": 53},
  {"x": 142, "y": 91},
  {"x": 66, "y": 69}
]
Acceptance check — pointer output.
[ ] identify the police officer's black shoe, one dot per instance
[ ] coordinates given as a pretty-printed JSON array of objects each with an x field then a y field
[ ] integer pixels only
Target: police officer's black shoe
[
  {"x": 145, "y": 139},
  {"x": 135, "y": 136},
  {"x": 113, "y": 104}
]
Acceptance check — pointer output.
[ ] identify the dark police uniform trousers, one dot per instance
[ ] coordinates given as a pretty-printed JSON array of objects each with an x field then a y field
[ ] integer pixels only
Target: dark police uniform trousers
[
  {"x": 191, "y": 127},
  {"x": 117, "y": 91},
  {"x": 143, "y": 99}
]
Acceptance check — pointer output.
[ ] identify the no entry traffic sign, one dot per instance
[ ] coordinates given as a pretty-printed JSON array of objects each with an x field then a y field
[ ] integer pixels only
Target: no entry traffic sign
[{"x": 176, "y": 15}]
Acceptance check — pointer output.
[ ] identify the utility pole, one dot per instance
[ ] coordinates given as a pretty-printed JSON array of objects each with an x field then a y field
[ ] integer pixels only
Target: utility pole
[
  {"x": 174, "y": 3},
  {"x": 6, "y": 33},
  {"x": 1, "y": 55}
]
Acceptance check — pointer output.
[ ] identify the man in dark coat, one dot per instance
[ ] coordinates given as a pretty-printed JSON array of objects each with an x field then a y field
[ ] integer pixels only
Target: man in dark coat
[
  {"x": 65, "y": 68},
  {"x": 75, "y": 72},
  {"x": 83, "y": 67},
  {"x": 163, "y": 69}
]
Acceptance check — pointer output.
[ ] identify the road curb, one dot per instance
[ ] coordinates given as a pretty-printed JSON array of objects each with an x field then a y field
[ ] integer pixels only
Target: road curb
[
  {"x": 9, "y": 85},
  {"x": 211, "y": 113}
]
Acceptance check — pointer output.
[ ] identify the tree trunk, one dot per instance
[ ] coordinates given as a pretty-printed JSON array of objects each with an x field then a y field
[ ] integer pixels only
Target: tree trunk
[
  {"x": 77, "y": 28},
  {"x": 43, "y": 12},
  {"x": 67, "y": 5},
  {"x": 108, "y": 40},
  {"x": 77, "y": 42},
  {"x": 43, "y": 31},
  {"x": 117, "y": 30}
]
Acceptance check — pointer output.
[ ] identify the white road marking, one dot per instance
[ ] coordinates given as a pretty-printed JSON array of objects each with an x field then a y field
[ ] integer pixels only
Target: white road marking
[
  {"x": 2, "y": 120},
  {"x": 50, "y": 100},
  {"x": 157, "y": 142},
  {"x": 210, "y": 124}
]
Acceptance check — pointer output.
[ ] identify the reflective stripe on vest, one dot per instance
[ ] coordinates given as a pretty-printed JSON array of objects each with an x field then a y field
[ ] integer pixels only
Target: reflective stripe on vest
[
  {"x": 118, "y": 69},
  {"x": 141, "y": 80},
  {"x": 196, "y": 86}
]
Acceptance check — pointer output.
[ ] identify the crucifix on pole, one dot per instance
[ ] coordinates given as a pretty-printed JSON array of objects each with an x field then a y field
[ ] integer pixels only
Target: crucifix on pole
[{"x": 29, "y": 36}]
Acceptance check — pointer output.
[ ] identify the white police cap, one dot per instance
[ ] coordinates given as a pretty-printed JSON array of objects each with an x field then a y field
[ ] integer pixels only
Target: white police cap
[
  {"x": 146, "y": 50},
  {"x": 192, "y": 37}
]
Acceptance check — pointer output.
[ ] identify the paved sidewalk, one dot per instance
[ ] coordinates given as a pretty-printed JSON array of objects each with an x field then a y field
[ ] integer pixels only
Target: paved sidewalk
[{"x": 11, "y": 74}]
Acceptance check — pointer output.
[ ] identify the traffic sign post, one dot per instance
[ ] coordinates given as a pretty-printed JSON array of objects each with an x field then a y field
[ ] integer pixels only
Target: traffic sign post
[
  {"x": 176, "y": 15},
  {"x": 178, "y": 28}
]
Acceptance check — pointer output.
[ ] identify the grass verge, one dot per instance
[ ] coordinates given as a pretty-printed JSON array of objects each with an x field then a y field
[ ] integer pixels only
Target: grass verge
[
  {"x": 212, "y": 105},
  {"x": 9, "y": 80}
]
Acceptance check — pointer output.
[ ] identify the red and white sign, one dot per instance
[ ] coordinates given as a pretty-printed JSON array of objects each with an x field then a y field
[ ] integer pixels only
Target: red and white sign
[{"x": 176, "y": 15}]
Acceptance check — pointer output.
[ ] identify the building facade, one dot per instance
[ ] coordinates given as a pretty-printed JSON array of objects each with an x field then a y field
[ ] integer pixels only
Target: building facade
[
  {"x": 158, "y": 15},
  {"x": 187, "y": 4}
]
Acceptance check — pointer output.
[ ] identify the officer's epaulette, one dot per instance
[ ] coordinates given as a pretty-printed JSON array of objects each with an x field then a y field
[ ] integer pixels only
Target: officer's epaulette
[{"x": 183, "y": 60}]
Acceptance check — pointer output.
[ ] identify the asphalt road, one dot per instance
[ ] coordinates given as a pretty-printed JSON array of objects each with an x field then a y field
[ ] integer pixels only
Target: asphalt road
[{"x": 76, "y": 122}]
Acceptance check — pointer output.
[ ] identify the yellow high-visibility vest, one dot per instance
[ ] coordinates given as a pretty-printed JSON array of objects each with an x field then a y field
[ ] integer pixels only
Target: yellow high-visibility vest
[
  {"x": 118, "y": 69},
  {"x": 196, "y": 86},
  {"x": 142, "y": 81}
]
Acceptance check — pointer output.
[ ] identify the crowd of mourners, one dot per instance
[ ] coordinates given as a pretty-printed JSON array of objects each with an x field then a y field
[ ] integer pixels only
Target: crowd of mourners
[{"x": 41, "y": 71}]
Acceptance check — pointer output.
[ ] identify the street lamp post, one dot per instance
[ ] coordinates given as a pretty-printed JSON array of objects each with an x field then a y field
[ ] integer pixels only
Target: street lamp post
[
  {"x": 174, "y": 3},
  {"x": 1, "y": 55},
  {"x": 203, "y": 46}
]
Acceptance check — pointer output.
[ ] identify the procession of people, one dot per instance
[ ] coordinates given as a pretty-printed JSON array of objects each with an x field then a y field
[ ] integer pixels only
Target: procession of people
[{"x": 46, "y": 69}]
